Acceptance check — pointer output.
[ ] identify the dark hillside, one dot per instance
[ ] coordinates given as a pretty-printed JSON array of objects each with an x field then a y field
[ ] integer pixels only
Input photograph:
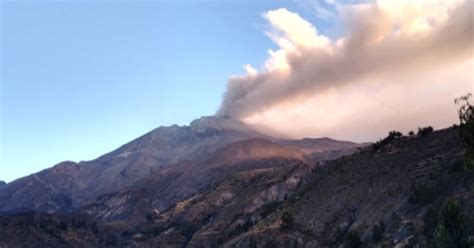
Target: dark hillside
[
  {"x": 402, "y": 192},
  {"x": 389, "y": 196}
]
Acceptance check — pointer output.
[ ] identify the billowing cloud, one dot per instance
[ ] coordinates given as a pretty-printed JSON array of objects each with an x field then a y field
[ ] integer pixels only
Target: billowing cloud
[{"x": 395, "y": 45}]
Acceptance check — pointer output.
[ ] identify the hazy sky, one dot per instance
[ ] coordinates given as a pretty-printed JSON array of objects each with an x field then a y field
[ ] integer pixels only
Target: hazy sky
[{"x": 80, "y": 78}]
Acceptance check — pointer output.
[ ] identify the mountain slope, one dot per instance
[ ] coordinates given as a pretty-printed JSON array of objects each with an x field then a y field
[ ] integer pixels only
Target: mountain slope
[
  {"x": 393, "y": 195},
  {"x": 386, "y": 197},
  {"x": 166, "y": 187},
  {"x": 69, "y": 185}
]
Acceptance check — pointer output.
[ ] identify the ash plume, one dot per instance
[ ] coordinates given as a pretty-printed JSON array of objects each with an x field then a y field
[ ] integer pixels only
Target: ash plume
[{"x": 382, "y": 38}]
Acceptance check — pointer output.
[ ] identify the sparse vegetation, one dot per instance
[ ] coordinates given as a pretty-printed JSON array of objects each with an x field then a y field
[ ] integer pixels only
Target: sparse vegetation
[
  {"x": 423, "y": 194},
  {"x": 378, "y": 231},
  {"x": 395, "y": 134},
  {"x": 430, "y": 220},
  {"x": 253, "y": 243},
  {"x": 287, "y": 220},
  {"x": 423, "y": 131},
  {"x": 392, "y": 135},
  {"x": 466, "y": 119},
  {"x": 452, "y": 230},
  {"x": 150, "y": 217},
  {"x": 111, "y": 240},
  {"x": 354, "y": 240},
  {"x": 187, "y": 228},
  {"x": 74, "y": 227},
  {"x": 268, "y": 209}
]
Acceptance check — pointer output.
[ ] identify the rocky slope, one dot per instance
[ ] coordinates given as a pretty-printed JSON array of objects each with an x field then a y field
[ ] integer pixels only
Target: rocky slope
[
  {"x": 387, "y": 197},
  {"x": 69, "y": 185},
  {"x": 394, "y": 195},
  {"x": 166, "y": 187},
  {"x": 47, "y": 230}
]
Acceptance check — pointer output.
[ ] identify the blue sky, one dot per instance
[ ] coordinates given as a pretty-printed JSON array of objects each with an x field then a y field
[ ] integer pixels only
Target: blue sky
[{"x": 78, "y": 79}]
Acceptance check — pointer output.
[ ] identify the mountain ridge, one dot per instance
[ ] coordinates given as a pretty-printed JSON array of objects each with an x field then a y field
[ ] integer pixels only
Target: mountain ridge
[{"x": 68, "y": 185}]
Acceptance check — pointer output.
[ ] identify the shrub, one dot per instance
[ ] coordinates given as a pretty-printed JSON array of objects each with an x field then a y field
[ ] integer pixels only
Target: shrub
[
  {"x": 287, "y": 220},
  {"x": 425, "y": 130},
  {"x": 111, "y": 240},
  {"x": 452, "y": 229},
  {"x": 62, "y": 225},
  {"x": 187, "y": 228},
  {"x": 268, "y": 209},
  {"x": 411, "y": 133},
  {"x": 353, "y": 240},
  {"x": 395, "y": 134},
  {"x": 378, "y": 231},
  {"x": 430, "y": 220},
  {"x": 150, "y": 217},
  {"x": 422, "y": 194},
  {"x": 392, "y": 135},
  {"x": 247, "y": 225},
  {"x": 253, "y": 243}
]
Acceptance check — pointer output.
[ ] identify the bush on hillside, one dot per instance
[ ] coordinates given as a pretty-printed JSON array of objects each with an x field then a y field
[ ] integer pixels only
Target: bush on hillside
[
  {"x": 392, "y": 135},
  {"x": 423, "y": 194},
  {"x": 452, "y": 229},
  {"x": 287, "y": 220},
  {"x": 378, "y": 231},
  {"x": 353, "y": 240},
  {"x": 425, "y": 130}
]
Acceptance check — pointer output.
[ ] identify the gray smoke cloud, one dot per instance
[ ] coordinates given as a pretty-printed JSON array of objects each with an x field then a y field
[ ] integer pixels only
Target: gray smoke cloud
[{"x": 382, "y": 38}]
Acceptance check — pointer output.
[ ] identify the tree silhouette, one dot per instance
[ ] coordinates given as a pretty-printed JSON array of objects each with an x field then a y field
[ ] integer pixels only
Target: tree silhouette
[{"x": 466, "y": 119}]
